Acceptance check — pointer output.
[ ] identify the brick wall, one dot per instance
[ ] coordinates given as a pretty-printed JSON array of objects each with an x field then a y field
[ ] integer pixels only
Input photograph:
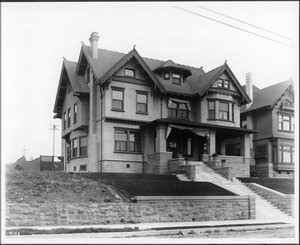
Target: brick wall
[
  {"x": 283, "y": 202},
  {"x": 240, "y": 165},
  {"x": 21, "y": 214}
]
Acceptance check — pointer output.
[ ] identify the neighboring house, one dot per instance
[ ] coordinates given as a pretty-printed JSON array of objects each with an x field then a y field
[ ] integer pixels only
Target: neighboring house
[
  {"x": 272, "y": 114},
  {"x": 124, "y": 113},
  {"x": 42, "y": 163}
]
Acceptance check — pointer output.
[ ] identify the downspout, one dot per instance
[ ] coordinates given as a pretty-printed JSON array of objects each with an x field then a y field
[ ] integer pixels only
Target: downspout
[{"x": 101, "y": 125}]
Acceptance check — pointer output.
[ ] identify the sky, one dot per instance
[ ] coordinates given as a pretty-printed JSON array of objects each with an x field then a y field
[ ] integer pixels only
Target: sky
[{"x": 36, "y": 36}]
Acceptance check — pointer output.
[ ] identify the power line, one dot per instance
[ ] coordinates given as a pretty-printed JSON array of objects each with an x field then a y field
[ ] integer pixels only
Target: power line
[
  {"x": 233, "y": 26},
  {"x": 246, "y": 23}
]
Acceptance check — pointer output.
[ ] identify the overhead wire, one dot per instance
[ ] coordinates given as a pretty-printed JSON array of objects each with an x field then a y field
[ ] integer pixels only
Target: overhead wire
[
  {"x": 246, "y": 23},
  {"x": 233, "y": 26}
]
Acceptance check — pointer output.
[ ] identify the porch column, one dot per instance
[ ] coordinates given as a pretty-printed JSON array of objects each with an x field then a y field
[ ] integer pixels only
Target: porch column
[
  {"x": 212, "y": 143},
  {"x": 161, "y": 138},
  {"x": 245, "y": 146}
]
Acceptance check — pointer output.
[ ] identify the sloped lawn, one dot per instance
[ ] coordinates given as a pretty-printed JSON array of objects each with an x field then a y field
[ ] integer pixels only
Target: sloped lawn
[{"x": 283, "y": 185}]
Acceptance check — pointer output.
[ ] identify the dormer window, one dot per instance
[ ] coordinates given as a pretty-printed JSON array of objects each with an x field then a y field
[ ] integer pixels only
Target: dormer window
[
  {"x": 176, "y": 78},
  {"x": 167, "y": 75},
  {"x": 223, "y": 83},
  {"x": 129, "y": 72}
]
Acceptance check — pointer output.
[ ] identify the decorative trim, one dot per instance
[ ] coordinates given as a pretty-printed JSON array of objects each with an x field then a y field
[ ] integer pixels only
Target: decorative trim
[{"x": 124, "y": 121}]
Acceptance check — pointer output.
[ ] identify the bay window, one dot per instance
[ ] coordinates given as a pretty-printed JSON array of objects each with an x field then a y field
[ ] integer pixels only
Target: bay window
[{"x": 286, "y": 122}]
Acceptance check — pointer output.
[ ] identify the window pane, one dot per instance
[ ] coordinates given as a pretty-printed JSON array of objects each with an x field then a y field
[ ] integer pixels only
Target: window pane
[
  {"x": 189, "y": 146},
  {"x": 286, "y": 125},
  {"x": 121, "y": 146},
  {"x": 182, "y": 106},
  {"x": 117, "y": 104},
  {"x": 211, "y": 114},
  {"x": 220, "y": 83},
  {"x": 223, "y": 115},
  {"x": 183, "y": 114},
  {"x": 83, "y": 141},
  {"x": 167, "y": 75},
  {"x": 141, "y": 107},
  {"x": 129, "y": 72},
  {"x": 287, "y": 156},
  {"x": 142, "y": 98},
  {"x": 173, "y": 105},
  {"x": 211, "y": 105},
  {"x": 279, "y": 118},
  {"x": 176, "y": 76},
  {"x": 117, "y": 95},
  {"x": 121, "y": 135},
  {"x": 172, "y": 112},
  {"x": 135, "y": 146},
  {"x": 134, "y": 136},
  {"x": 75, "y": 143},
  {"x": 226, "y": 84},
  {"x": 224, "y": 106}
]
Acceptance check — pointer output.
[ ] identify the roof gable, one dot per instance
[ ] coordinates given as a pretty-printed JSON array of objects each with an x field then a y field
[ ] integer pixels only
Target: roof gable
[
  {"x": 206, "y": 80},
  {"x": 269, "y": 96},
  {"x": 68, "y": 75}
]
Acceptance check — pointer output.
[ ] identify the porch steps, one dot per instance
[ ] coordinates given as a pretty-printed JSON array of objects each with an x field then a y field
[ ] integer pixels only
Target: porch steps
[{"x": 264, "y": 209}]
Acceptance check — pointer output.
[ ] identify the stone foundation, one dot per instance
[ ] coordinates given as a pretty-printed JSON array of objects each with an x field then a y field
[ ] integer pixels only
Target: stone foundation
[
  {"x": 218, "y": 208},
  {"x": 157, "y": 163}
]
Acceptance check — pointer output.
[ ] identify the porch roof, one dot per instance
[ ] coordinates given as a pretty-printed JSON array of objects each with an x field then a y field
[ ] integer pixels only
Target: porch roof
[{"x": 198, "y": 125}]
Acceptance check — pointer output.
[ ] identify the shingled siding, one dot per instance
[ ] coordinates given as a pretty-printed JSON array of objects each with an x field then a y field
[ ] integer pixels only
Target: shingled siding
[{"x": 22, "y": 214}]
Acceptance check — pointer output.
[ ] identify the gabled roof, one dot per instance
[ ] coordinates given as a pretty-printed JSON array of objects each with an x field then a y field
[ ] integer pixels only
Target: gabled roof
[
  {"x": 267, "y": 97},
  {"x": 77, "y": 83},
  {"x": 169, "y": 64},
  {"x": 206, "y": 80}
]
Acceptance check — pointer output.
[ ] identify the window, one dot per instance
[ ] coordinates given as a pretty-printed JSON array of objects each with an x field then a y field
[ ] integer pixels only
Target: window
[
  {"x": 286, "y": 123},
  {"x": 82, "y": 168},
  {"x": 127, "y": 141},
  {"x": 118, "y": 99},
  {"x": 74, "y": 147},
  {"x": 74, "y": 168},
  {"x": 224, "y": 111},
  {"x": 176, "y": 78},
  {"x": 68, "y": 152},
  {"x": 141, "y": 102},
  {"x": 88, "y": 75},
  {"x": 75, "y": 113},
  {"x": 127, "y": 165},
  {"x": 223, "y": 83},
  {"x": 129, "y": 72},
  {"x": 83, "y": 146},
  {"x": 69, "y": 117},
  {"x": 167, "y": 75},
  {"x": 65, "y": 120},
  {"x": 286, "y": 151},
  {"x": 178, "y": 110},
  {"x": 211, "y": 110}
]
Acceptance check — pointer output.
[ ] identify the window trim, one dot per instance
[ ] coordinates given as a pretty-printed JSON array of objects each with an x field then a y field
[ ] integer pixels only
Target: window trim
[
  {"x": 69, "y": 117},
  {"x": 291, "y": 124},
  {"x": 75, "y": 113},
  {"x": 128, "y": 131},
  {"x": 130, "y": 70},
  {"x": 142, "y": 93},
  {"x": 120, "y": 89}
]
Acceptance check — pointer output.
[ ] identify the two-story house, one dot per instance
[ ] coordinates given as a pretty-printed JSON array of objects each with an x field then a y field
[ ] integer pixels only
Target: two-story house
[
  {"x": 125, "y": 113},
  {"x": 272, "y": 114}
]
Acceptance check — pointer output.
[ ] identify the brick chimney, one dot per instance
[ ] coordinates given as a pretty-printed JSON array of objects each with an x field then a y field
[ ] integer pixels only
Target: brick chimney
[
  {"x": 94, "y": 44},
  {"x": 249, "y": 88}
]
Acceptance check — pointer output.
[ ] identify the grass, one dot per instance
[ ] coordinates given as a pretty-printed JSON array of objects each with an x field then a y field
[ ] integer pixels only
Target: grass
[
  {"x": 282, "y": 185},
  {"x": 60, "y": 187}
]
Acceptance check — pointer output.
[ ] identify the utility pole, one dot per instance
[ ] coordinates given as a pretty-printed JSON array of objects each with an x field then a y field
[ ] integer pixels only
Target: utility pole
[
  {"x": 24, "y": 150},
  {"x": 54, "y": 127}
]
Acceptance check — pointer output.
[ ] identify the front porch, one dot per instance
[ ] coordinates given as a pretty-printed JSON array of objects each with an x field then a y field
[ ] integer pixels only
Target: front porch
[{"x": 169, "y": 145}]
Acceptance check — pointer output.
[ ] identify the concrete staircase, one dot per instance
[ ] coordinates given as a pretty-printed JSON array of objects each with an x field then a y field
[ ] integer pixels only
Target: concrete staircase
[{"x": 264, "y": 209}]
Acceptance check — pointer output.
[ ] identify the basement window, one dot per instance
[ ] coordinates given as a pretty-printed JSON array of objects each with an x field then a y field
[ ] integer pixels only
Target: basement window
[
  {"x": 82, "y": 168},
  {"x": 127, "y": 165}
]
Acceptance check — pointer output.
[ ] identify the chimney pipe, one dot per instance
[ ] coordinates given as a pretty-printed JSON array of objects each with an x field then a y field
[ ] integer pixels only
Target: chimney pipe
[
  {"x": 249, "y": 88},
  {"x": 94, "y": 44}
]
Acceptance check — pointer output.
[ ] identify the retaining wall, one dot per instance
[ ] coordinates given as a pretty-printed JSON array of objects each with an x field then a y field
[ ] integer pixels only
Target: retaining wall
[{"x": 207, "y": 208}]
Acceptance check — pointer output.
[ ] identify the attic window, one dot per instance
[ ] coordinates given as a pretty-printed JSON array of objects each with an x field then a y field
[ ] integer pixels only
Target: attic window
[
  {"x": 223, "y": 83},
  {"x": 88, "y": 75},
  {"x": 167, "y": 76},
  {"x": 176, "y": 78},
  {"x": 129, "y": 72}
]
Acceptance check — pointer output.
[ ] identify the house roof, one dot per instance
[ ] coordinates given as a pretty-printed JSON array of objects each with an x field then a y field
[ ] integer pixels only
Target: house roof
[
  {"x": 109, "y": 62},
  {"x": 267, "y": 97}
]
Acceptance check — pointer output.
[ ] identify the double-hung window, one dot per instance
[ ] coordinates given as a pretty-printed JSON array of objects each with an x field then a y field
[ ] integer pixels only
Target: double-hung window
[
  {"x": 178, "y": 110},
  {"x": 127, "y": 141},
  {"x": 68, "y": 152},
  {"x": 211, "y": 110},
  {"x": 65, "y": 120},
  {"x": 286, "y": 122},
  {"x": 74, "y": 147},
  {"x": 224, "y": 111},
  {"x": 142, "y": 102},
  {"x": 69, "y": 117},
  {"x": 176, "y": 78},
  {"x": 286, "y": 152},
  {"x": 118, "y": 99},
  {"x": 83, "y": 146},
  {"x": 75, "y": 113}
]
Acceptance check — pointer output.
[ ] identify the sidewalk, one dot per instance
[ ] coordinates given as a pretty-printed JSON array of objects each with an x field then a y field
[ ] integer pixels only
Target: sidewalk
[{"x": 167, "y": 225}]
